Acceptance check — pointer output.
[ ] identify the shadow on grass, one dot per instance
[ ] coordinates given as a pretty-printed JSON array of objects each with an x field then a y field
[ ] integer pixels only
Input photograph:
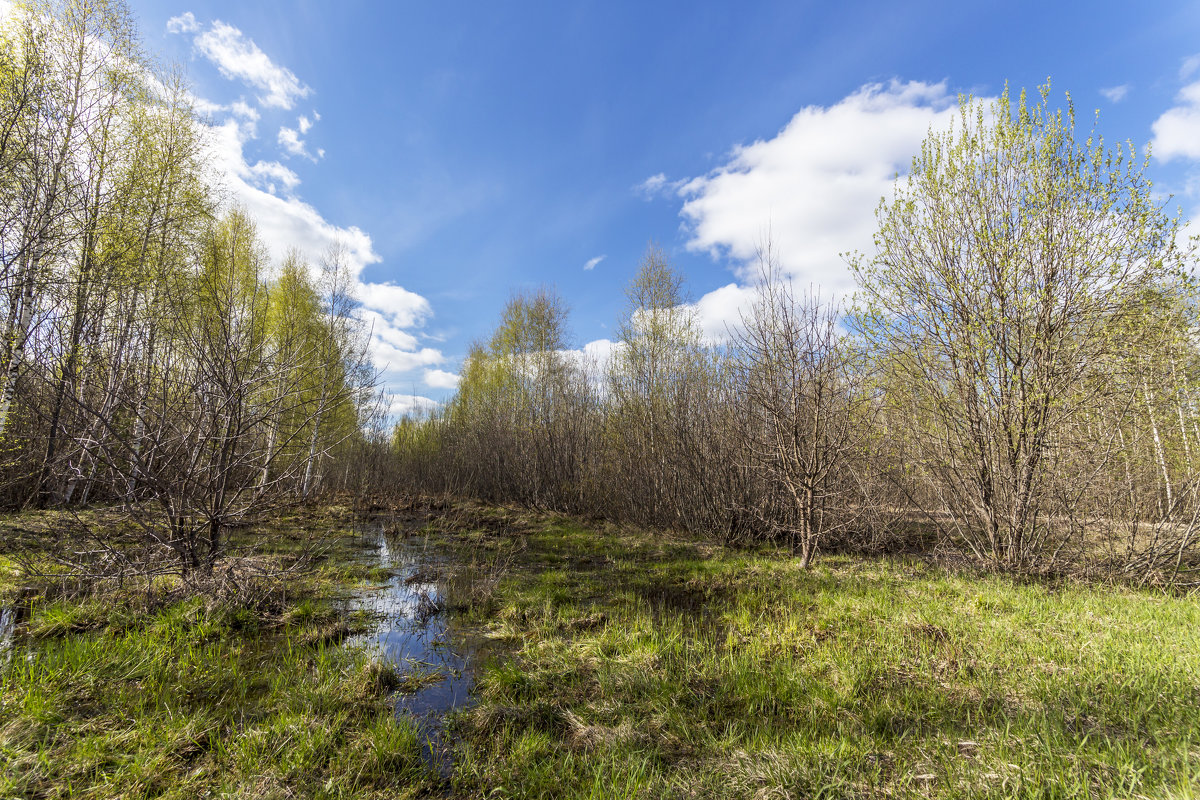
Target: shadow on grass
[{"x": 718, "y": 673}]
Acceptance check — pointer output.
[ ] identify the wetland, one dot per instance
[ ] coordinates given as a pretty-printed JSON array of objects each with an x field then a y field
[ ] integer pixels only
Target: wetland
[{"x": 481, "y": 651}]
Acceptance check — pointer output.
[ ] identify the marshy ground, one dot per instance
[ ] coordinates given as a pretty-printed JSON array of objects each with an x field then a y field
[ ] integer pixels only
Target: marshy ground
[{"x": 604, "y": 662}]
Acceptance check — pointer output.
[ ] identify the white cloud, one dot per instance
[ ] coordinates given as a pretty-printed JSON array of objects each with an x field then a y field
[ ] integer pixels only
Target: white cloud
[
  {"x": 241, "y": 108},
  {"x": 1177, "y": 135},
  {"x": 652, "y": 185},
  {"x": 401, "y": 404},
  {"x": 1115, "y": 94},
  {"x": 657, "y": 185},
  {"x": 383, "y": 328},
  {"x": 594, "y": 358},
  {"x": 394, "y": 350},
  {"x": 394, "y": 362},
  {"x": 238, "y": 57},
  {"x": 812, "y": 189},
  {"x": 592, "y": 262},
  {"x": 206, "y": 108},
  {"x": 184, "y": 23},
  {"x": 208, "y": 111},
  {"x": 1189, "y": 67},
  {"x": 440, "y": 379},
  {"x": 720, "y": 311},
  {"x": 293, "y": 145},
  {"x": 283, "y": 219},
  {"x": 1177, "y": 131},
  {"x": 403, "y": 308},
  {"x": 390, "y": 309},
  {"x": 272, "y": 177},
  {"x": 267, "y": 190},
  {"x": 600, "y": 349}
]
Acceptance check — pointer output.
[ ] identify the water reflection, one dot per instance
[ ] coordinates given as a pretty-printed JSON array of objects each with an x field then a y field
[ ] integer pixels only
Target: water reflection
[
  {"x": 416, "y": 633},
  {"x": 8, "y": 625}
]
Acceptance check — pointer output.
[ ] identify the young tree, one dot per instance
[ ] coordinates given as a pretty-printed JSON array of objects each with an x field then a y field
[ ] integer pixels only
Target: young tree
[
  {"x": 801, "y": 392},
  {"x": 342, "y": 379},
  {"x": 652, "y": 379},
  {"x": 1007, "y": 265},
  {"x": 79, "y": 65}
]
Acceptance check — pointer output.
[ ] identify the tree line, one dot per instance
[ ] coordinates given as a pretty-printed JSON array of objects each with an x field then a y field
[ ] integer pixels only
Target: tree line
[
  {"x": 153, "y": 359},
  {"x": 1014, "y": 379}
]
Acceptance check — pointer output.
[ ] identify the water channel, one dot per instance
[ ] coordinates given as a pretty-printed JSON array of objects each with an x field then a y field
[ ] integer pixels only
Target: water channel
[{"x": 415, "y": 631}]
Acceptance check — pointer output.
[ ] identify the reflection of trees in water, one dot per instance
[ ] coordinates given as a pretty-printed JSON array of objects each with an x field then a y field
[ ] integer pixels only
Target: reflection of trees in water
[{"x": 415, "y": 635}]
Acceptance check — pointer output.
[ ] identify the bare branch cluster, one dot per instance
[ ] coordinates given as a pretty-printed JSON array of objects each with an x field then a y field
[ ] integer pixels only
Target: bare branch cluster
[
  {"x": 1015, "y": 379},
  {"x": 151, "y": 358}
]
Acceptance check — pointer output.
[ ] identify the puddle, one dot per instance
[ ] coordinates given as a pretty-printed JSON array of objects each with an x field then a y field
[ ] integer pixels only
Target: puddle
[
  {"x": 8, "y": 624},
  {"x": 416, "y": 633}
]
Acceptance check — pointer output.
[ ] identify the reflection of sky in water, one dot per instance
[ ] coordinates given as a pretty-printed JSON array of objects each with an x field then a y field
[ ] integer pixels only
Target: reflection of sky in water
[
  {"x": 8, "y": 621},
  {"x": 415, "y": 634}
]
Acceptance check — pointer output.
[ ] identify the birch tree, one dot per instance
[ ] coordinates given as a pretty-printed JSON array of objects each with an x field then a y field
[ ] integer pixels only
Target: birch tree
[{"x": 1004, "y": 266}]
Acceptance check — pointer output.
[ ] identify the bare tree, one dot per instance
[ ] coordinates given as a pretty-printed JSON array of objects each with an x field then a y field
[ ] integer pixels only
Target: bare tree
[{"x": 800, "y": 389}]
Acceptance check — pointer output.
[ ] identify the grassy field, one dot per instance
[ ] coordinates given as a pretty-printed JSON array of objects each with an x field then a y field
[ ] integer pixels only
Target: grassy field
[
  {"x": 117, "y": 696},
  {"x": 650, "y": 668},
  {"x": 631, "y": 665}
]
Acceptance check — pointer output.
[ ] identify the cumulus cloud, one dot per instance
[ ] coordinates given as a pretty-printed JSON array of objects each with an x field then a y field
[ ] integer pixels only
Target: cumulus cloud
[
  {"x": 241, "y": 108},
  {"x": 289, "y": 139},
  {"x": 239, "y": 58},
  {"x": 440, "y": 379},
  {"x": 390, "y": 310},
  {"x": 205, "y": 107},
  {"x": 184, "y": 23},
  {"x": 386, "y": 330},
  {"x": 272, "y": 176},
  {"x": 816, "y": 184},
  {"x": 246, "y": 115},
  {"x": 268, "y": 192},
  {"x": 400, "y": 405},
  {"x": 813, "y": 188},
  {"x": 1177, "y": 131},
  {"x": 1115, "y": 94},
  {"x": 720, "y": 312},
  {"x": 594, "y": 358},
  {"x": 394, "y": 362},
  {"x": 401, "y": 307},
  {"x": 592, "y": 262},
  {"x": 598, "y": 354},
  {"x": 1177, "y": 136}
]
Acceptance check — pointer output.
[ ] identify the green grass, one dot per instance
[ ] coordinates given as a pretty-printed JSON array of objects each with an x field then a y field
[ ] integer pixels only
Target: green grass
[
  {"x": 629, "y": 665},
  {"x": 650, "y": 668},
  {"x": 104, "y": 698}
]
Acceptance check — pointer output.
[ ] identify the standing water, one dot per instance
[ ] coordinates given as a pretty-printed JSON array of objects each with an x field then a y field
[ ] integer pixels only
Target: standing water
[
  {"x": 8, "y": 623},
  {"x": 435, "y": 657}
]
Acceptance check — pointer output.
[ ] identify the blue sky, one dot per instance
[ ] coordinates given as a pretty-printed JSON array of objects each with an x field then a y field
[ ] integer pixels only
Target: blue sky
[{"x": 463, "y": 151}]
